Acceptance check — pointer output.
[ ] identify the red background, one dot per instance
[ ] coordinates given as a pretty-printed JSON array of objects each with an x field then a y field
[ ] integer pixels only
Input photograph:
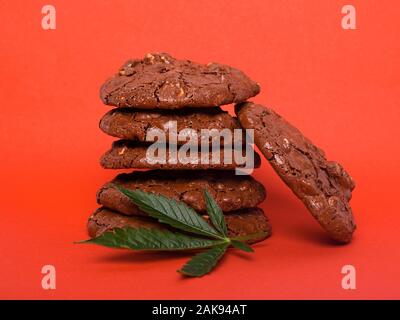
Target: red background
[{"x": 341, "y": 87}]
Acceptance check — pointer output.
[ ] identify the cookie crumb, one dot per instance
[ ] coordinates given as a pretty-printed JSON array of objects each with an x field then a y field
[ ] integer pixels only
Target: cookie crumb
[{"x": 122, "y": 151}]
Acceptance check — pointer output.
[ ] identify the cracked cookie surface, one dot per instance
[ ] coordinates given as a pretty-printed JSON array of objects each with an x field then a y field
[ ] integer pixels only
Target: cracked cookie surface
[
  {"x": 126, "y": 154},
  {"x": 134, "y": 124},
  {"x": 230, "y": 191},
  {"x": 240, "y": 223},
  {"x": 323, "y": 186},
  {"x": 161, "y": 81}
]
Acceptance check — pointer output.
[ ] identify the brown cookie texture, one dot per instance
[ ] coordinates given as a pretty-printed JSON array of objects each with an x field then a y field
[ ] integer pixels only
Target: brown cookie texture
[
  {"x": 323, "y": 186},
  {"x": 104, "y": 219},
  {"x": 161, "y": 81},
  {"x": 126, "y": 154},
  {"x": 134, "y": 124},
  {"x": 243, "y": 223},
  {"x": 230, "y": 191}
]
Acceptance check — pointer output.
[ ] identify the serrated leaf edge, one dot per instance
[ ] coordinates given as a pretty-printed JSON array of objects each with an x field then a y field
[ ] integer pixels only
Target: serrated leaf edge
[
  {"x": 220, "y": 251},
  {"x": 215, "y": 214},
  {"x": 141, "y": 232},
  {"x": 166, "y": 219}
]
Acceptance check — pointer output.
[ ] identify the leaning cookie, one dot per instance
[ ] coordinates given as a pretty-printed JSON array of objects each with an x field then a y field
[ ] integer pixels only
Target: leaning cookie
[
  {"x": 135, "y": 124},
  {"x": 323, "y": 186},
  {"x": 161, "y": 81},
  {"x": 243, "y": 223},
  {"x": 126, "y": 154},
  {"x": 230, "y": 191}
]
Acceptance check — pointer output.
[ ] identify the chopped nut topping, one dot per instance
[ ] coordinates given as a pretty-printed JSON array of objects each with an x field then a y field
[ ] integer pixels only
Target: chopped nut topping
[
  {"x": 122, "y": 151},
  {"x": 150, "y": 58},
  {"x": 279, "y": 160},
  {"x": 164, "y": 59},
  {"x": 316, "y": 204},
  {"x": 267, "y": 146},
  {"x": 286, "y": 144}
]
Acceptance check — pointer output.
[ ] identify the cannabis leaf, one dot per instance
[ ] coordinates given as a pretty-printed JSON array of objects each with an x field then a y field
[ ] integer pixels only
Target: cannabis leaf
[
  {"x": 215, "y": 213},
  {"x": 191, "y": 231},
  {"x": 241, "y": 245},
  {"x": 202, "y": 263},
  {"x": 169, "y": 211},
  {"x": 151, "y": 239}
]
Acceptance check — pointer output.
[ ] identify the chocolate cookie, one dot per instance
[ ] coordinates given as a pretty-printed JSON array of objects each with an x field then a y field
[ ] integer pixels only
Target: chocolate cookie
[
  {"x": 126, "y": 154},
  {"x": 323, "y": 186},
  {"x": 245, "y": 222},
  {"x": 134, "y": 124},
  {"x": 161, "y": 81},
  {"x": 230, "y": 191}
]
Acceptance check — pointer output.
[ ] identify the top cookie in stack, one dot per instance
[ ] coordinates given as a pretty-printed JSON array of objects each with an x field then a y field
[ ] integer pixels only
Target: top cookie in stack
[
  {"x": 160, "y": 81},
  {"x": 163, "y": 93}
]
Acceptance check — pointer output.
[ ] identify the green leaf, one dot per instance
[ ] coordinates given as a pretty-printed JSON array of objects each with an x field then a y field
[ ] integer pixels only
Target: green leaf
[
  {"x": 202, "y": 263},
  {"x": 241, "y": 245},
  {"x": 151, "y": 239},
  {"x": 169, "y": 211},
  {"x": 215, "y": 214}
]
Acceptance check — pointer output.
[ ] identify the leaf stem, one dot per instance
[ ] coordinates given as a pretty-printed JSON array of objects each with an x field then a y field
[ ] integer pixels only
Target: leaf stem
[{"x": 252, "y": 236}]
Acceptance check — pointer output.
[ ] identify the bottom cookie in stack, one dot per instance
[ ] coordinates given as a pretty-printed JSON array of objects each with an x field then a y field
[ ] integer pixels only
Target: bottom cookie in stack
[
  {"x": 249, "y": 224},
  {"x": 237, "y": 196}
]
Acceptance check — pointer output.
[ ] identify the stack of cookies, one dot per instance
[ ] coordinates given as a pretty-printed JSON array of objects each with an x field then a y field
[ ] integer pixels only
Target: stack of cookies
[
  {"x": 160, "y": 93},
  {"x": 155, "y": 95}
]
